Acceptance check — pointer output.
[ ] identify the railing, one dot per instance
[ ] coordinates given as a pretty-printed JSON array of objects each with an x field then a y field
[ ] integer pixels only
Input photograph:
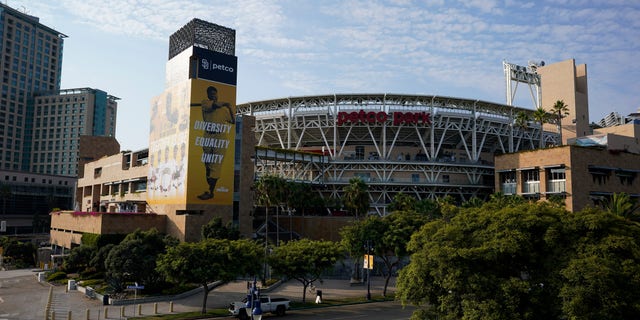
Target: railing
[
  {"x": 556, "y": 186},
  {"x": 413, "y": 160},
  {"x": 531, "y": 187},
  {"x": 508, "y": 188}
]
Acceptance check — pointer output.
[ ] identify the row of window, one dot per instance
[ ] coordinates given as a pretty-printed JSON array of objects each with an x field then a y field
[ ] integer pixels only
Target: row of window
[
  {"x": 27, "y": 28},
  {"x": 62, "y": 108},
  {"x": 61, "y": 99},
  {"x": 530, "y": 181},
  {"x": 33, "y": 180}
]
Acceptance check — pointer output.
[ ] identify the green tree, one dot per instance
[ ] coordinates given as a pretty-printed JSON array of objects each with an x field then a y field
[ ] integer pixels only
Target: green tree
[
  {"x": 559, "y": 111},
  {"x": 524, "y": 261},
  {"x": 541, "y": 117},
  {"x": 209, "y": 260},
  {"x": 215, "y": 229},
  {"x": 79, "y": 258},
  {"x": 430, "y": 208},
  {"x": 98, "y": 259},
  {"x": 304, "y": 260},
  {"x": 601, "y": 280},
  {"x": 356, "y": 196},
  {"x": 352, "y": 238},
  {"x": 134, "y": 259},
  {"x": 394, "y": 235},
  {"x": 474, "y": 202},
  {"x": 520, "y": 122},
  {"x": 485, "y": 264},
  {"x": 402, "y": 202},
  {"x": 19, "y": 254}
]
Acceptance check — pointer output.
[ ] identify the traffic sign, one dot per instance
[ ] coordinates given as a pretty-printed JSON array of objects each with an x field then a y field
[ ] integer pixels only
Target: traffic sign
[{"x": 135, "y": 287}]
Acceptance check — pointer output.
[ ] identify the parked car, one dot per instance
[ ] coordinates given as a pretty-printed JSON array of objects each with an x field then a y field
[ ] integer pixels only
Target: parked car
[{"x": 278, "y": 306}]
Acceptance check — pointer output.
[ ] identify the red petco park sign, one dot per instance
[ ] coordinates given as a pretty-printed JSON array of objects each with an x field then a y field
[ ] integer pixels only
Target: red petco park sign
[{"x": 382, "y": 117}]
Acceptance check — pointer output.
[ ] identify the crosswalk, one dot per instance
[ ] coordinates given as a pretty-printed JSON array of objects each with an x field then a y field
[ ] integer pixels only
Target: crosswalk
[{"x": 58, "y": 306}]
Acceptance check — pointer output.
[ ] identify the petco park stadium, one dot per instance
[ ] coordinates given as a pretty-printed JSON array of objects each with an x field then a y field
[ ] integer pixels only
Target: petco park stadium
[{"x": 428, "y": 146}]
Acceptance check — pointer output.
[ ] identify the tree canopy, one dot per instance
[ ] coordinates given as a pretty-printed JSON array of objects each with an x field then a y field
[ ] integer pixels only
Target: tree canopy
[
  {"x": 559, "y": 111},
  {"x": 134, "y": 259},
  {"x": 209, "y": 260},
  {"x": 388, "y": 236},
  {"x": 356, "y": 197},
  {"x": 215, "y": 229},
  {"x": 524, "y": 261},
  {"x": 304, "y": 260}
]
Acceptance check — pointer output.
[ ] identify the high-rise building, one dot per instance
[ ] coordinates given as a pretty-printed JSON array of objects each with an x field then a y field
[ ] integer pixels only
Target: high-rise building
[
  {"x": 40, "y": 124},
  {"x": 59, "y": 119},
  {"x": 30, "y": 61}
]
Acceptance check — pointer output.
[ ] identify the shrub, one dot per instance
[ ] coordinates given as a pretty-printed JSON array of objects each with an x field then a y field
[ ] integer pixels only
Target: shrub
[{"x": 57, "y": 276}]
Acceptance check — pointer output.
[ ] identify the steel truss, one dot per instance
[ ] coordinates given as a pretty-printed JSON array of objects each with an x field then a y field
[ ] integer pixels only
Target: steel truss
[{"x": 472, "y": 130}]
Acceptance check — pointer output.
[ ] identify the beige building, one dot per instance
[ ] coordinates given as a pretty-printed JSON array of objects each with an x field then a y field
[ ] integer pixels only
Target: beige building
[
  {"x": 568, "y": 82},
  {"x": 586, "y": 172}
]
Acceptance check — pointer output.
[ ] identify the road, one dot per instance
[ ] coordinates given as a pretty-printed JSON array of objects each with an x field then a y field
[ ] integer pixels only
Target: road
[
  {"x": 19, "y": 288},
  {"x": 365, "y": 311},
  {"x": 23, "y": 297}
]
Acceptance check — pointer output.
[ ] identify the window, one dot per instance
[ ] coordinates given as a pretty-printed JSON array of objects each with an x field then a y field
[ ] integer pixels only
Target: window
[
  {"x": 365, "y": 176},
  {"x": 508, "y": 182},
  {"x": 626, "y": 177},
  {"x": 600, "y": 175},
  {"x": 530, "y": 181},
  {"x": 359, "y": 152},
  {"x": 445, "y": 178},
  {"x": 556, "y": 180}
]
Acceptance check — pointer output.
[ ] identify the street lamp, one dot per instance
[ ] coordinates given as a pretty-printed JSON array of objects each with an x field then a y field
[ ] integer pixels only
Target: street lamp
[{"x": 253, "y": 302}]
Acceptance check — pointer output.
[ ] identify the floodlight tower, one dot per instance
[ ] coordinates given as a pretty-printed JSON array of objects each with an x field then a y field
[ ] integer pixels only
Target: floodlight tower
[{"x": 528, "y": 75}]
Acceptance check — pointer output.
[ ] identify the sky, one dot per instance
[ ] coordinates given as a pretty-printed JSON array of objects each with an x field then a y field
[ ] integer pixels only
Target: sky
[{"x": 293, "y": 48}]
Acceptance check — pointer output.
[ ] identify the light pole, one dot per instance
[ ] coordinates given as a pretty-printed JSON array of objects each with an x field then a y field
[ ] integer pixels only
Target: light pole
[
  {"x": 368, "y": 264},
  {"x": 253, "y": 302}
]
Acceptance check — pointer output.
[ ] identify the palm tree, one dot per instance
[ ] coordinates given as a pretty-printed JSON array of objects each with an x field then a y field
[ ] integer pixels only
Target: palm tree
[
  {"x": 269, "y": 191},
  {"x": 521, "y": 121},
  {"x": 541, "y": 116},
  {"x": 356, "y": 196},
  {"x": 621, "y": 204},
  {"x": 560, "y": 110}
]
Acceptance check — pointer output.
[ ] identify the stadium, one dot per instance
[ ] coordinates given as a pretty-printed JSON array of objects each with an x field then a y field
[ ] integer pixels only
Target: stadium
[{"x": 426, "y": 146}]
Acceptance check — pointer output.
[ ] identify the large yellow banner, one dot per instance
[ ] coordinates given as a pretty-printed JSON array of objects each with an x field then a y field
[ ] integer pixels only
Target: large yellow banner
[{"x": 211, "y": 143}]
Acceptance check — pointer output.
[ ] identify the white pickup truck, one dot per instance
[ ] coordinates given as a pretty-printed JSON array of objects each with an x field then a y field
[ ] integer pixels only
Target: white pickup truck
[{"x": 277, "y": 306}]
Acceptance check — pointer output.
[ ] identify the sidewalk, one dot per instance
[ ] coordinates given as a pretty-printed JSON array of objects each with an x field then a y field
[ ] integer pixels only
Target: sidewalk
[{"x": 219, "y": 297}]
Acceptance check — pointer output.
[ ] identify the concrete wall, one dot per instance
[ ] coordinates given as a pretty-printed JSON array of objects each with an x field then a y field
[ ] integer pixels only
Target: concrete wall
[
  {"x": 67, "y": 226},
  {"x": 568, "y": 82}
]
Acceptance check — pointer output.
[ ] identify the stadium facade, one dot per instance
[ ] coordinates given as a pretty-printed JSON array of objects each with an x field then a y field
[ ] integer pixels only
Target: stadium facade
[{"x": 426, "y": 146}]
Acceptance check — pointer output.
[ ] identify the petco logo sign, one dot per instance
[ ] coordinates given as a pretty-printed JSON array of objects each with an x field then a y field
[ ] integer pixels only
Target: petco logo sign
[
  {"x": 382, "y": 117},
  {"x": 209, "y": 65}
]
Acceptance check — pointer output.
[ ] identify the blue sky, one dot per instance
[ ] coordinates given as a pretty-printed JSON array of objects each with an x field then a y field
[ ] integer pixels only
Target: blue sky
[{"x": 311, "y": 47}]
